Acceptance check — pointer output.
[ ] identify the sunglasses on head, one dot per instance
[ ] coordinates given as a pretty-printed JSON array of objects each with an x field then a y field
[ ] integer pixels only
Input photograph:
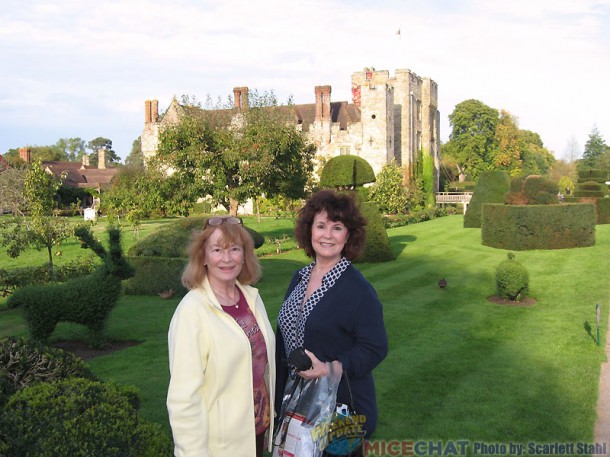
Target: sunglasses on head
[{"x": 231, "y": 220}]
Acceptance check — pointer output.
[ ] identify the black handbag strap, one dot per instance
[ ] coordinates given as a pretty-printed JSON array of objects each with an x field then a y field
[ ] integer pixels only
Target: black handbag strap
[{"x": 349, "y": 391}]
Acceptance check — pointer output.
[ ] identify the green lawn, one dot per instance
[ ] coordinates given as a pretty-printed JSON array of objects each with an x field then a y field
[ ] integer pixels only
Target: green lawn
[{"x": 459, "y": 366}]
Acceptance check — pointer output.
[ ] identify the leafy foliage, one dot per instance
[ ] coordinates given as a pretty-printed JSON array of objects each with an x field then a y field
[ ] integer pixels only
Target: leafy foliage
[
  {"x": 80, "y": 418},
  {"x": 388, "y": 191},
  {"x": 26, "y": 362},
  {"x": 377, "y": 247},
  {"x": 595, "y": 149},
  {"x": 43, "y": 229},
  {"x": 512, "y": 279},
  {"x": 472, "y": 139},
  {"x": 346, "y": 172},
  {"x": 491, "y": 188},
  {"x": 233, "y": 155},
  {"x": 12, "y": 190},
  {"x": 87, "y": 301}
]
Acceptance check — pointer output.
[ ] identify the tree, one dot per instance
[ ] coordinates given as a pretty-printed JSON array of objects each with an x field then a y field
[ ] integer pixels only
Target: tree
[
  {"x": 472, "y": 141},
  {"x": 388, "y": 191},
  {"x": 535, "y": 158},
  {"x": 74, "y": 148},
  {"x": 595, "y": 148},
  {"x": 135, "y": 157},
  {"x": 233, "y": 155},
  {"x": 572, "y": 151},
  {"x": 44, "y": 228},
  {"x": 508, "y": 154},
  {"x": 12, "y": 187},
  {"x": 102, "y": 143}
]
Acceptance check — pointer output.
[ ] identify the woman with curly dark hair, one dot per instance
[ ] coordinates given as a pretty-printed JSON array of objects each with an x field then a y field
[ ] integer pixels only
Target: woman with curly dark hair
[{"x": 330, "y": 309}]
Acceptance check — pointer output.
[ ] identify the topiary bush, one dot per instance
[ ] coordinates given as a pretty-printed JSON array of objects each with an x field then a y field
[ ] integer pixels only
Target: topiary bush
[
  {"x": 512, "y": 279},
  {"x": 86, "y": 301},
  {"x": 26, "y": 362},
  {"x": 21, "y": 277},
  {"x": 377, "y": 247},
  {"x": 171, "y": 240},
  {"x": 78, "y": 418},
  {"x": 346, "y": 172},
  {"x": 491, "y": 188}
]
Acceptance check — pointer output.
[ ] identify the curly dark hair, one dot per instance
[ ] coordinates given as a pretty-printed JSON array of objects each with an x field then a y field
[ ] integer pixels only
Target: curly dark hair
[{"x": 340, "y": 207}]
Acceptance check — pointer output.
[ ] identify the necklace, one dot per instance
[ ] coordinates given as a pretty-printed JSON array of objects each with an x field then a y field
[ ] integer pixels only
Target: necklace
[{"x": 226, "y": 300}]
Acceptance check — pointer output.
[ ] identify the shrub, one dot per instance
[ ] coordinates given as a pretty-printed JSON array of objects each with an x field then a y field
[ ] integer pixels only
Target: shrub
[
  {"x": 526, "y": 227},
  {"x": 26, "y": 362},
  {"x": 346, "y": 172},
  {"x": 171, "y": 240},
  {"x": 22, "y": 277},
  {"x": 533, "y": 190},
  {"x": 87, "y": 301},
  {"x": 154, "y": 275},
  {"x": 78, "y": 417},
  {"x": 512, "y": 279},
  {"x": 377, "y": 248},
  {"x": 490, "y": 188}
]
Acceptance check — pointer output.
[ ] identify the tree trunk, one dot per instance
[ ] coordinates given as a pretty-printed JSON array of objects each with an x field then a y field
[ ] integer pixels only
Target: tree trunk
[{"x": 234, "y": 205}]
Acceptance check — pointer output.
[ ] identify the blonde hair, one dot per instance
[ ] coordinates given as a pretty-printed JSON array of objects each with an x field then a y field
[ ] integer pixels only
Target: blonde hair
[{"x": 195, "y": 271}]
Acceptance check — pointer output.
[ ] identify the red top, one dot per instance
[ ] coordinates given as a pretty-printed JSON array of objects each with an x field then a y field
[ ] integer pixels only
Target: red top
[{"x": 243, "y": 316}]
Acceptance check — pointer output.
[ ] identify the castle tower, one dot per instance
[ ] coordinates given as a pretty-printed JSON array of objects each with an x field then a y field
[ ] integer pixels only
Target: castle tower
[{"x": 376, "y": 98}]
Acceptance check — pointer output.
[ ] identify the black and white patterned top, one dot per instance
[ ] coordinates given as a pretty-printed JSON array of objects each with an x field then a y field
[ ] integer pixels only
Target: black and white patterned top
[{"x": 294, "y": 313}]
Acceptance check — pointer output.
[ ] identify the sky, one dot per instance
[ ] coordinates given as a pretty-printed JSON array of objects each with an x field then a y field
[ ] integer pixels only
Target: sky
[{"x": 84, "y": 68}]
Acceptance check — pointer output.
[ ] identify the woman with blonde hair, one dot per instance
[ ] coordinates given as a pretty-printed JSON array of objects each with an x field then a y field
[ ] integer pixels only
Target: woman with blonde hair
[{"x": 221, "y": 349}]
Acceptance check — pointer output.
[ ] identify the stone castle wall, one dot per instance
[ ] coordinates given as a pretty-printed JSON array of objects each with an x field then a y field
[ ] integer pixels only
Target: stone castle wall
[{"x": 391, "y": 118}]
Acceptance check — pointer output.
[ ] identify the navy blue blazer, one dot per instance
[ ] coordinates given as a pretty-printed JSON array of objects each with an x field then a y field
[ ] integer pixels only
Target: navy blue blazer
[{"x": 346, "y": 325}]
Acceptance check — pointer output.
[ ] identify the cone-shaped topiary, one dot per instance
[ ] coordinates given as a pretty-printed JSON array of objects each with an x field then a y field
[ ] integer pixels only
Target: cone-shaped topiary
[
  {"x": 377, "y": 247},
  {"x": 346, "y": 172},
  {"x": 512, "y": 279}
]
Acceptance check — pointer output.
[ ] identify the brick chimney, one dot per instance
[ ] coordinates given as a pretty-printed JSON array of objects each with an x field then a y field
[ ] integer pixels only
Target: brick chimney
[
  {"x": 25, "y": 154},
  {"x": 240, "y": 95},
  {"x": 322, "y": 103},
  {"x": 85, "y": 161},
  {"x": 101, "y": 159},
  {"x": 151, "y": 111}
]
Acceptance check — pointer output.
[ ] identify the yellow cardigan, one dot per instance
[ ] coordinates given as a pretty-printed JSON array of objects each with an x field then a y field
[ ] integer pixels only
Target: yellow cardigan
[{"x": 210, "y": 397}]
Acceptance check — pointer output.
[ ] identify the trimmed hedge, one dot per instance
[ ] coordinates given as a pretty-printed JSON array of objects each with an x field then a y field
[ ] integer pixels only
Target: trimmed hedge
[
  {"x": 377, "y": 248},
  {"x": 154, "y": 275},
  {"x": 160, "y": 258},
  {"x": 346, "y": 171},
  {"x": 26, "y": 362},
  {"x": 512, "y": 279},
  {"x": 27, "y": 276},
  {"x": 490, "y": 188},
  {"x": 538, "y": 226},
  {"x": 79, "y": 418},
  {"x": 603, "y": 211},
  {"x": 171, "y": 240}
]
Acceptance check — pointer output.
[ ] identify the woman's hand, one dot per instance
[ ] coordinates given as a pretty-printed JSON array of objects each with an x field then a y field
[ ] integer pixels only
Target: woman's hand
[{"x": 318, "y": 368}]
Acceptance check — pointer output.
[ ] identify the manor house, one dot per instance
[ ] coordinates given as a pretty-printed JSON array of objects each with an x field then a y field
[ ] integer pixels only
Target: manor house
[{"x": 389, "y": 118}]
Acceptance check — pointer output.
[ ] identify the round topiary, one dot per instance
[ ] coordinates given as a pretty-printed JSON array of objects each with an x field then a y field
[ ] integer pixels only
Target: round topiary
[
  {"x": 25, "y": 362},
  {"x": 171, "y": 240},
  {"x": 79, "y": 418},
  {"x": 512, "y": 279},
  {"x": 346, "y": 172}
]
